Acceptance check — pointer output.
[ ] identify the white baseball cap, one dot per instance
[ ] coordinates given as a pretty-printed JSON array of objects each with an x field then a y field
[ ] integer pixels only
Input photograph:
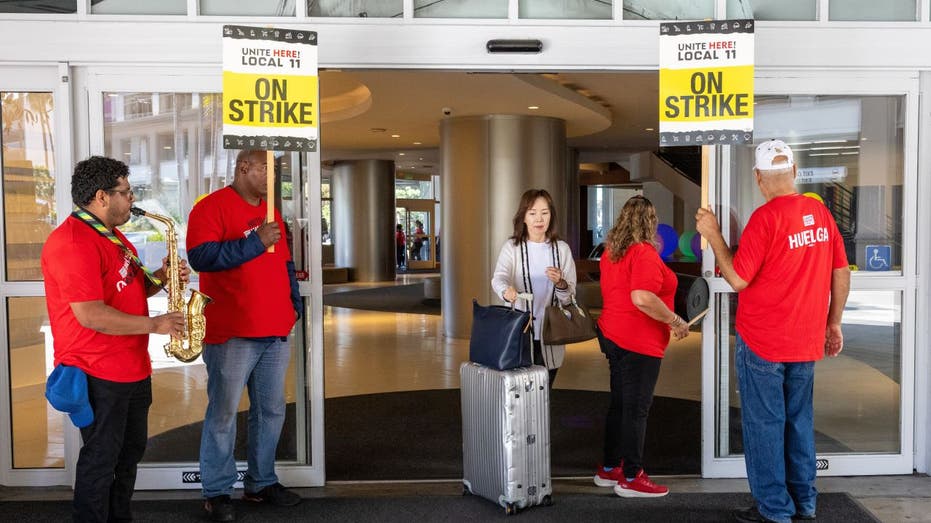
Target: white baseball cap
[{"x": 771, "y": 150}]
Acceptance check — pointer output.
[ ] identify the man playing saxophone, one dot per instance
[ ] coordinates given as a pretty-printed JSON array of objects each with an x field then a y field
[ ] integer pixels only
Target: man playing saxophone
[
  {"x": 96, "y": 290},
  {"x": 255, "y": 304}
]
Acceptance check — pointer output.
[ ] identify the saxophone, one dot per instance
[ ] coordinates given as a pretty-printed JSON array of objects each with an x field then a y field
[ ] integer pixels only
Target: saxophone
[{"x": 194, "y": 322}]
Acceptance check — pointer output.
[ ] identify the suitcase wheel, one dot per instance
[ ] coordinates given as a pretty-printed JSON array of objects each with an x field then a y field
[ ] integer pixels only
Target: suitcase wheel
[
  {"x": 547, "y": 501},
  {"x": 466, "y": 491},
  {"x": 510, "y": 509}
]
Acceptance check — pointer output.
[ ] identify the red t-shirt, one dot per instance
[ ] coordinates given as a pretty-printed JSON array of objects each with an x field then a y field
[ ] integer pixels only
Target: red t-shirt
[
  {"x": 621, "y": 321},
  {"x": 787, "y": 255},
  {"x": 79, "y": 265},
  {"x": 254, "y": 299}
]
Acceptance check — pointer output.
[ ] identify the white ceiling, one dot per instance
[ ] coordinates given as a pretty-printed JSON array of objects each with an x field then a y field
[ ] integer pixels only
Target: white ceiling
[{"x": 606, "y": 113}]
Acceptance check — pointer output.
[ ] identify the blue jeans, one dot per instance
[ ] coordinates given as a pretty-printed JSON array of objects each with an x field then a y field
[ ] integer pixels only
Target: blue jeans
[
  {"x": 230, "y": 366},
  {"x": 778, "y": 433}
]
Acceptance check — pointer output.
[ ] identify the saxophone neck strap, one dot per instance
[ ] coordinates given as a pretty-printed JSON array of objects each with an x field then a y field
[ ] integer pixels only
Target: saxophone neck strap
[{"x": 95, "y": 224}]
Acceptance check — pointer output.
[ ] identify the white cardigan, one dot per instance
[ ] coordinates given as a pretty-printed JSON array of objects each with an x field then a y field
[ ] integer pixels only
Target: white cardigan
[{"x": 509, "y": 273}]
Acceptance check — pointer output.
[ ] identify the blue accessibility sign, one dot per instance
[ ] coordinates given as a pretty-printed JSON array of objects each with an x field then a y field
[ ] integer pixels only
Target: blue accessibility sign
[{"x": 878, "y": 257}]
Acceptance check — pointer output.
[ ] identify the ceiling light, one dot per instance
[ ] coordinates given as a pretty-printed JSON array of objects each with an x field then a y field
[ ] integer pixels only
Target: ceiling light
[
  {"x": 416, "y": 143},
  {"x": 648, "y": 129},
  {"x": 400, "y": 154},
  {"x": 395, "y": 135},
  {"x": 533, "y": 107},
  {"x": 421, "y": 158},
  {"x": 167, "y": 147},
  {"x": 377, "y": 130}
]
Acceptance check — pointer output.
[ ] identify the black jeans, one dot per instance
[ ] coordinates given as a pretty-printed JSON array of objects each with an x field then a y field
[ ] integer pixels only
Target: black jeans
[
  {"x": 538, "y": 360},
  {"x": 633, "y": 378},
  {"x": 113, "y": 446}
]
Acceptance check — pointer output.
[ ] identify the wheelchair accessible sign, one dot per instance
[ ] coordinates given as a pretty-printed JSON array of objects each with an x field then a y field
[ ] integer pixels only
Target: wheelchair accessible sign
[{"x": 878, "y": 257}]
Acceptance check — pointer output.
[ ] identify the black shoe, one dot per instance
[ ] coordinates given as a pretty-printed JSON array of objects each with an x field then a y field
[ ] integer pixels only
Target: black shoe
[
  {"x": 800, "y": 517},
  {"x": 274, "y": 494},
  {"x": 220, "y": 508},
  {"x": 750, "y": 515}
]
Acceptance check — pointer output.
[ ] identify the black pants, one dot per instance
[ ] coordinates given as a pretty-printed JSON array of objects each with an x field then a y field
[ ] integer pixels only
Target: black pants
[
  {"x": 113, "y": 446},
  {"x": 633, "y": 379},
  {"x": 538, "y": 360}
]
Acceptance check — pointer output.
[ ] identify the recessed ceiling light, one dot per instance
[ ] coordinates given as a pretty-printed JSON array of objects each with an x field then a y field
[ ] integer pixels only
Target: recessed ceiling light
[
  {"x": 421, "y": 158},
  {"x": 167, "y": 147},
  {"x": 400, "y": 154},
  {"x": 416, "y": 143},
  {"x": 533, "y": 107},
  {"x": 648, "y": 129},
  {"x": 395, "y": 135},
  {"x": 377, "y": 130}
]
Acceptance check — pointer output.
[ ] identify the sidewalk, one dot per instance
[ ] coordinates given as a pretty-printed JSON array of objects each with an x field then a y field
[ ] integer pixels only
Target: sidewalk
[{"x": 889, "y": 498}]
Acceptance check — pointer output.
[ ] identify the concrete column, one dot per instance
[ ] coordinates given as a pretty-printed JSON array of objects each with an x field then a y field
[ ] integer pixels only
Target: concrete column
[
  {"x": 487, "y": 164},
  {"x": 363, "y": 218}
]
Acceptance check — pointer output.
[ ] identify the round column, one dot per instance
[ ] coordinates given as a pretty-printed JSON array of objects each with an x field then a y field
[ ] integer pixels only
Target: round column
[
  {"x": 363, "y": 218},
  {"x": 487, "y": 164}
]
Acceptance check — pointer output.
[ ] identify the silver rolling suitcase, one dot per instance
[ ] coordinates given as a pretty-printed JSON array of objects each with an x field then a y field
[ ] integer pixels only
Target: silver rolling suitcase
[{"x": 506, "y": 435}]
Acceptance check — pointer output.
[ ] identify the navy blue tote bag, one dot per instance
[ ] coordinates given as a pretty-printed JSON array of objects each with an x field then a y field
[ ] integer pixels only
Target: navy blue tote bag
[{"x": 501, "y": 337}]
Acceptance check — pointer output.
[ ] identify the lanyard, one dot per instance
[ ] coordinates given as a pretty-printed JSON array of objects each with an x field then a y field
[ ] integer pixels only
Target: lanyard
[{"x": 95, "y": 224}]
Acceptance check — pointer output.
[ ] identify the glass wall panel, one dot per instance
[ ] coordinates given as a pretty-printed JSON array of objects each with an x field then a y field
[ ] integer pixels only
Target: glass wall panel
[
  {"x": 173, "y": 145},
  {"x": 326, "y": 212},
  {"x": 869, "y": 10},
  {"x": 461, "y": 9},
  {"x": 849, "y": 151},
  {"x": 38, "y": 431},
  {"x": 28, "y": 156},
  {"x": 413, "y": 187},
  {"x": 360, "y": 8},
  {"x": 668, "y": 9},
  {"x": 139, "y": 7},
  {"x": 248, "y": 7},
  {"x": 849, "y": 420},
  {"x": 803, "y": 10},
  {"x": 39, "y": 6},
  {"x": 566, "y": 9}
]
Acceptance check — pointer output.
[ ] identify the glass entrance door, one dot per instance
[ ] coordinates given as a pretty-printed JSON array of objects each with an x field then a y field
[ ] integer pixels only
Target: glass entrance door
[
  {"x": 419, "y": 226},
  {"x": 34, "y": 118},
  {"x": 850, "y": 149},
  {"x": 170, "y": 135}
]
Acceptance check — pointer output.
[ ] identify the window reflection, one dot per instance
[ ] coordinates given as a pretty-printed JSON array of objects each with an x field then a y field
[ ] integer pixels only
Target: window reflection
[
  {"x": 849, "y": 151},
  {"x": 139, "y": 7},
  {"x": 668, "y": 10},
  {"x": 173, "y": 145},
  {"x": 356, "y": 8},
  {"x": 849, "y": 420},
  {"x": 461, "y": 9},
  {"x": 248, "y": 7},
  {"x": 37, "y": 428},
  {"x": 803, "y": 10},
  {"x": 28, "y": 180},
  {"x": 566, "y": 9},
  {"x": 39, "y": 6},
  {"x": 866, "y": 10}
]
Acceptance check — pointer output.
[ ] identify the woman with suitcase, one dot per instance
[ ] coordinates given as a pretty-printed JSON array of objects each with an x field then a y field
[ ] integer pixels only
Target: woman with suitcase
[{"x": 534, "y": 260}]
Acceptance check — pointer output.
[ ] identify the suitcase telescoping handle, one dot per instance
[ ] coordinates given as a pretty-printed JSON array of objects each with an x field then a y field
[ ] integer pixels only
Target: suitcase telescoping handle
[{"x": 528, "y": 297}]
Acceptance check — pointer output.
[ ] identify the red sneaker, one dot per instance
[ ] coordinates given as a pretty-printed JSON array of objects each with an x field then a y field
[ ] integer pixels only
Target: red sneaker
[
  {"x": 609, "y": 479},
  {"x": 640, "y": 487}
]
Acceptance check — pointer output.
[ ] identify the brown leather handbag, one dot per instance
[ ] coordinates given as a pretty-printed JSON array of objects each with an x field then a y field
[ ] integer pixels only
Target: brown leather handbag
[{"x": 564, "y": 324}]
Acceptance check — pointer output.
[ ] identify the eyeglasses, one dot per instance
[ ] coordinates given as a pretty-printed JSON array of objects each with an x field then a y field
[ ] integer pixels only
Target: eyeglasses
[{"x": 125, "y": 192}]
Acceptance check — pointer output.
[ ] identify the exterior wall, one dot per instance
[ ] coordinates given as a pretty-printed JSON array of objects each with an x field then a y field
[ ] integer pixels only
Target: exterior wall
[{"x": 782, "y": 48}]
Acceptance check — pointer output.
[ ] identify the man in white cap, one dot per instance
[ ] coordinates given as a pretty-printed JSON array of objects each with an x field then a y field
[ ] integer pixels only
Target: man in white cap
[{"x": 792, "y": 275}]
